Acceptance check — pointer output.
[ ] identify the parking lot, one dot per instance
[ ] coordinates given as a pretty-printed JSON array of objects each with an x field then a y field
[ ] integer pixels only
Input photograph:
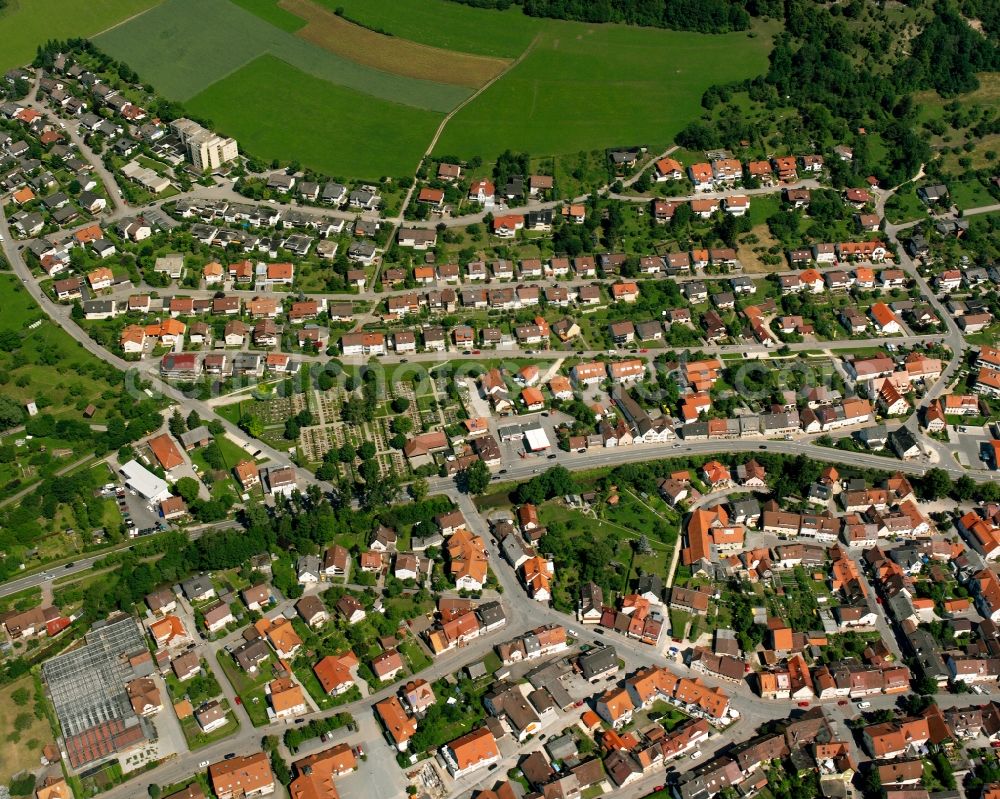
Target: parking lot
[{"x": 972, "y": 442}]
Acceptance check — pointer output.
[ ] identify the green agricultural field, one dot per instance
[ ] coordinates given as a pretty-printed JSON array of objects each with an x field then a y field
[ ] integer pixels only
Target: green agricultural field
[
  {"x": 25, "y": 24},
  {"x": 183, "y": 47},
  {"x": 329, "y": 128},
  {"x": 269, "y": 11},
  {"x": 587, "y": 87},
  {"x": 445, "y": 24}
]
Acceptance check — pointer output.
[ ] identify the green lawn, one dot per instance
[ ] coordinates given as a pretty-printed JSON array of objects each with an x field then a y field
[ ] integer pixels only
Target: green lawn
[
  {"x": 184, "y": 46},
  {"x": 305, "y": 675},
  {"x": 585, "y": 87},
  {"x": 330, "y": 128},
  {"x": 249, "y": 687},
  {"x": 969, "y": 194},
  {"x": 29, "y": 23},
  {"x": 196, "y": 739},
  {"x": 415, "y": 656},
  {"x": 905, "y": 206},
  {"x": 446, "y": 24}
]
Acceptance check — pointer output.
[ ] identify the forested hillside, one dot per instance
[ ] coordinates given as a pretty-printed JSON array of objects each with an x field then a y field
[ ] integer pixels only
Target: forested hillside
[
  {"x": 843, "y": 73},
  {"x": 705, "y": 16}
]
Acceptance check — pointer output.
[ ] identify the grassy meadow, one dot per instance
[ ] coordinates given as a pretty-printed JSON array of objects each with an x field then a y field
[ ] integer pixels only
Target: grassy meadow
[
  {"x": 292, "y": 81},
  {"x": 448, "y": 25},
  {"x": 269, "y": 11},
  {"x": 49, "y": 364},
  {"x": 391, "y": 53},
  {"x": 584, "y": 87},
  {"x": 183, "y": 47},
  {"x": 330, "y": 128},
  {"x": 25, "y": 24}
]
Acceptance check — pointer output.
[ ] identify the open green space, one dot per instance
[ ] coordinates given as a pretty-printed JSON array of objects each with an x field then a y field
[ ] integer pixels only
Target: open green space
[
  {"x": 417, "y": 659},
  {"x": 184, "y": 46},
  {"x": 250, "y": 687},
  {"x": 445, "y": 24},
  {"x": 196, "y": 739},
  {"x": 25, "y": 24},
  {"x": 47, "y": 363},
  {"x": 330, "y": 128},
  {"x": 270, "y": 11},
  {"x": 25, "y": 733},
  {"x": 585, "y": 87}
]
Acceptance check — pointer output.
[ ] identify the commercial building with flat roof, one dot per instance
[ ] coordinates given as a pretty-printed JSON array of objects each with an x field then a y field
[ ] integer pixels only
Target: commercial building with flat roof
[{"x": 144, "y": 482}]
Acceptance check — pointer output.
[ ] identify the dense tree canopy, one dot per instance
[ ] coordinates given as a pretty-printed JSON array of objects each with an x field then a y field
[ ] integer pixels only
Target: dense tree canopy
[{"x": 706, "y": 16}]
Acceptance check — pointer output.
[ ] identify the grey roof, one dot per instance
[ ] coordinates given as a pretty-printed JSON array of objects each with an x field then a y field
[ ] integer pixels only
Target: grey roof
[
  {"x": 98, "y": 306},
  {"x": 597, "y": 661},
  {"x": 490, "y": 613},
  {"x": 562, "y": 747},
  {"x": 308, "y": 564},
  {"x": 650, "y": 583},
  {"x": 197, "y": 585},
  {"x": 746, "y": 507},
  {"x": 195, "y": 436},
  {"x": 902, "y": 440}
]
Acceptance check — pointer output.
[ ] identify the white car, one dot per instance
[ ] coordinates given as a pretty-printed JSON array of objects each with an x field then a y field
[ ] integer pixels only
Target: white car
[
  {"x": 203, "y": 764},
  {"x": 864, "y": 705},
  {"x": 696, "y": 754}
]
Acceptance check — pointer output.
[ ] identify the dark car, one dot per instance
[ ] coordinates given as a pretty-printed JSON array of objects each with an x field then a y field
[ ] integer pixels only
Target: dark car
[
  {"x": 230, "y": 756},
  {"x": 70, "y": 565},
  {"x": 553, "y": 456}
]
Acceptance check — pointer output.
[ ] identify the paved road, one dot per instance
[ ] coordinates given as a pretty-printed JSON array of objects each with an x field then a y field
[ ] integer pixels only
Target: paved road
[{"x": 62, "y": 568}]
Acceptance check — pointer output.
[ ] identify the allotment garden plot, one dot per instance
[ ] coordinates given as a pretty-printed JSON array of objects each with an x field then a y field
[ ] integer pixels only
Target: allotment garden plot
[{"x": 330, "y": 431}]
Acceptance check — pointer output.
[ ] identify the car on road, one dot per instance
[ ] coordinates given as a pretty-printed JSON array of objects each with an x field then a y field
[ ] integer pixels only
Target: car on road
[
  {"x": 553, "y": 456},
  {"x": 466, "y": 352},
  {"x": 502, "y": 471},
  {"x": 359, "y": 751},
  {"x": 696, "y": 754},
  {"x": 864, "y": 705},
  {"x": 300, "y": 721},
  {"x": 803, "y": 704},
  {"x": 230, "y": 756},
  {"x": 239, "y": 701},
  {"x": 203, "y": 764},
  {"x": 476, "y": 352},
  {"x": 404, "y": 360},
  {"x": 70, "y": 565},
  {"x": 843, "y": 702},
  {"x": 995, "y": 744}
]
